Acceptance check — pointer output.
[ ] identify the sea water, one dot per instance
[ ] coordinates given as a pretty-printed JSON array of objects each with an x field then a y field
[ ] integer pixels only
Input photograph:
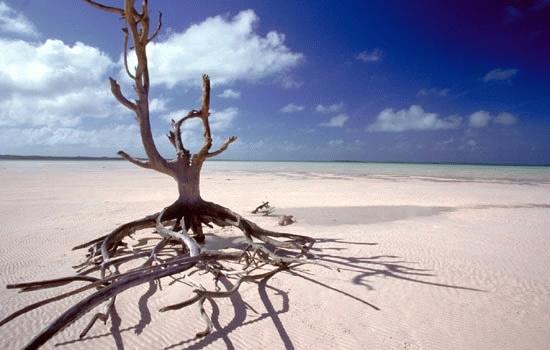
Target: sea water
[
  {"x": 459, "y": 172},
  {"x": 434, "y": 172}
]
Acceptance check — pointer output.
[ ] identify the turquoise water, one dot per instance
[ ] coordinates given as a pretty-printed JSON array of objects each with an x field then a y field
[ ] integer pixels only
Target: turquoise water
[
  {"x": 443, "y": 171},
  {"x": 427, "y": 171}
]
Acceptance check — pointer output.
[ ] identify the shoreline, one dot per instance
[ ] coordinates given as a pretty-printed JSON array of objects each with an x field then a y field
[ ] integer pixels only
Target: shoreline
[{"x": 5, "y": 157}]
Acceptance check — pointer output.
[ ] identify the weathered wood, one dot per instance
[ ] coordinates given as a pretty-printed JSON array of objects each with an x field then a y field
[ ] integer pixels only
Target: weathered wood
[
  {"x": 285, "y": 220},
  {"x": 265, "y": 209}
]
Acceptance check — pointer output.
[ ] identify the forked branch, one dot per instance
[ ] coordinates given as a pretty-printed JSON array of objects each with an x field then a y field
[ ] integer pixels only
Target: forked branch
[
  {"x": 222, "y": 148},
  {"x": 115, "y": 89}
]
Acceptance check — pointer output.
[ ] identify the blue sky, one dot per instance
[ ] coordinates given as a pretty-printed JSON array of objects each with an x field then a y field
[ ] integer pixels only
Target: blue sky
[{"x": 428, "y": 81}]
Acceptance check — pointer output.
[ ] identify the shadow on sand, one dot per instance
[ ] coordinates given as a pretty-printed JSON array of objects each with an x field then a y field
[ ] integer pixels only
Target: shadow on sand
[
  {"x": 364, "y": 268},
  {"x": 374, "y": 214}
]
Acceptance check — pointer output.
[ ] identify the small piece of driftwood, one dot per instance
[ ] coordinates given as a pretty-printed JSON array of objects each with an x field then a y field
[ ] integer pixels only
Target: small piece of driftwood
[
  {"x": 265, "y": 209},
  {"x": 285, "y": 220}
]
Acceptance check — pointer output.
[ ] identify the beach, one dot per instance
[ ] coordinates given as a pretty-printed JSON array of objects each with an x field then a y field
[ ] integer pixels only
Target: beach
[{"x": 421, "y": 256}]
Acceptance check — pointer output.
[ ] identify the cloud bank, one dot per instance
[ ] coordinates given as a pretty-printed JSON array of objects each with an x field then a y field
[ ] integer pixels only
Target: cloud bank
[
  {"x": 292, "y": 108},
  {"x": 369, "y": 56},
  {"x": 229, "y": 49},
  {"x": 413, "y": 118},
  {"x": 500, "y": 74},
  {"x": 13, "y": 22},
  {"x": 336, "y": 122}
]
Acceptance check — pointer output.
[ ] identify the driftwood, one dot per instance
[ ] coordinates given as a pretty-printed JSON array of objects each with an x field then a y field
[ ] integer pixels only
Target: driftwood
[
  {"x": 265, "y": 209},
  {"x": 179, "y": 224},
  {"x": 285, "y": 220}
]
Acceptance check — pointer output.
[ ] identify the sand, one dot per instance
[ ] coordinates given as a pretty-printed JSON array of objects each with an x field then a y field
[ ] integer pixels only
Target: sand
[{"x": 424, "y": 264}]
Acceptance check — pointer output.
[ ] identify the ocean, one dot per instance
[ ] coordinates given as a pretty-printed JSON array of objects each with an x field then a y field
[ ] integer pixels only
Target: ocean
[{"x": 434, "y": 172}]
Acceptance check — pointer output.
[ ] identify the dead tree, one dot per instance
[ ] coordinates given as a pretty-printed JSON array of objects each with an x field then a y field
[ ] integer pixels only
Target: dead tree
[{"x": 181, "y": 222}]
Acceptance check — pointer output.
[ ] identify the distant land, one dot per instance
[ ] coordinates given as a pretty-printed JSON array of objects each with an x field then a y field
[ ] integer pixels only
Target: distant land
[
  {"x": 86, "y": 158},
  {"x": 14, "y": 157}
]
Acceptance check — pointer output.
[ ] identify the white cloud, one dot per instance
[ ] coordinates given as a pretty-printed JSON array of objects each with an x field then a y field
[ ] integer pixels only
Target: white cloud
[
  {"x": 113, "y": 137},
  {"x": 47, "y": 90},
  {"x": 433, "y": 92},
  {"x": 413, "y": 118},
  {"x": 445, "y": 142},
  {"x": 14, "y": 22},
  {"x": 479, "y": 119},
  {"x": 506, "y": 118},
  {"x": 337, "y": 121},
  {"x": 228, "y": 49},
  {"x": 370, "y": 56},
  {"x": 51, "y": 66},
  {"x": 291, "y": 108},
  {"x": 157, "y": 105},
  {"x": 289, "y": 82},
  {"x": 52, "y": 83},
  {"x": 333, "y": 108},
  {"x": 230, "y": 94},
  {"x": 500, "y": 74},
  {"x": 336, "y": 143},
  {"x": 468, "y": 145},
  {"x": 222, "y": 120}
]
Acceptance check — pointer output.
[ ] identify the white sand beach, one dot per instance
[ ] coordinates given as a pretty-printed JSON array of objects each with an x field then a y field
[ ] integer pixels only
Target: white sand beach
[{"x": 425, "y": 262}]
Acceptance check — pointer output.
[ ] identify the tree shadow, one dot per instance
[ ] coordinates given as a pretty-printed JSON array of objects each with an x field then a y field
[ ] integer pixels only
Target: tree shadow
[
  {"x": 364, "y": 268},
  {"x": 391, "y": 266},
  {"x": 144, "y": 309},
  {"x": 114, "y": 331},
  {"x": 359, "y": 215},
  {"x": 239, "y": 315},
  {"x": 240, "y": 308},
  {"x": 376, "y": 214}
]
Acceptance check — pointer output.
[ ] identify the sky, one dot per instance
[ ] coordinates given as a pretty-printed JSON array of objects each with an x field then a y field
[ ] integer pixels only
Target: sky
[{"x": 400, "y": 81}]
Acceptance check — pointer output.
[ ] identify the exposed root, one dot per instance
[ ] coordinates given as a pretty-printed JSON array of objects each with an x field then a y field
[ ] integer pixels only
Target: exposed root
[{"x": 266, "y": 252}]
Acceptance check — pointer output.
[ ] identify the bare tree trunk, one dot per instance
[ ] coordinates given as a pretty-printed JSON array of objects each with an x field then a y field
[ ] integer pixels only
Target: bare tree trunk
[{"x": 188, "y": 180}]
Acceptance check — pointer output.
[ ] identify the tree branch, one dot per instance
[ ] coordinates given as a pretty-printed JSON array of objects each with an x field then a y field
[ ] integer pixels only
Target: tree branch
[
  {"x": 175, "y": 134},
  {"x": 222, "y": 148},
  {"x": 125, "y": 54},
  {"x": 140, "y": 163},
  {"x": 138, "y": 26},
  {"x": 111, "y": 9},
  {"x": 192, "y": 114},
  {"x": 115, "y": 89},
  {"x": 205, "y": 113},
  {"x": 205, "y": 104},
  {"x": 157, "y": 30},
  {"x": 144, "y": 19},
  {"x": 139, "y": 46}
]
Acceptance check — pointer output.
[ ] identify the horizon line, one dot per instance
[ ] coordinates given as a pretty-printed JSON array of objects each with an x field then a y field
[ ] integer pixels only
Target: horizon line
[{"x": 107, "y": 158}]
